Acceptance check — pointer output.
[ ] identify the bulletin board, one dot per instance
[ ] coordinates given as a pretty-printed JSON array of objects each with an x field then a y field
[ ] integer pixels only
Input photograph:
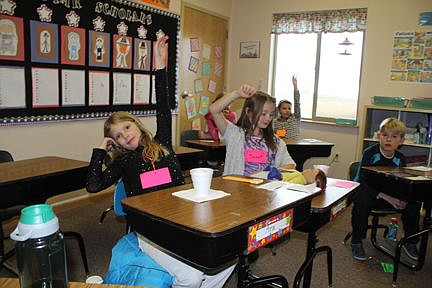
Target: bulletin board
[{"x": 76, "y": 60}]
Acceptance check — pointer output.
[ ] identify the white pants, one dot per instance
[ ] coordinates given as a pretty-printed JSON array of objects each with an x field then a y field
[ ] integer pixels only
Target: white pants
[{"x": 184, "y": 275}]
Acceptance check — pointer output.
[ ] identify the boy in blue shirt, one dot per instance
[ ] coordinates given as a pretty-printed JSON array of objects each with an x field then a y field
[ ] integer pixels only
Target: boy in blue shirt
[{"x": 384, "y": 153}]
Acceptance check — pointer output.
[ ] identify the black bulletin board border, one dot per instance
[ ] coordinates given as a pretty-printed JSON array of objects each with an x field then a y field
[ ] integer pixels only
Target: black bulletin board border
[{"x": 113, "y": 12}]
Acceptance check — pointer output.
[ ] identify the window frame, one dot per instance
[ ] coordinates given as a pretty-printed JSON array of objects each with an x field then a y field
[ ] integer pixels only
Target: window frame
[{"x": 314, "y": 118}]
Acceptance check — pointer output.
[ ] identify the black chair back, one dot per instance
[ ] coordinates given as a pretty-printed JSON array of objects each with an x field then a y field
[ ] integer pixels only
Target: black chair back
[
  {"x": 188, "y": 135},
  {"x": 5, "y": 156}
]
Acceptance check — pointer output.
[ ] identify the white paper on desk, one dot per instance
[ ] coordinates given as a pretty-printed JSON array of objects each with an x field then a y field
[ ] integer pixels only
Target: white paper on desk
[
  {"x": 191, "y": 196},
  {"x": 273, "y": 185},
  {"x": 420, "y": 168},
  {"x": 416, "y": 178}
]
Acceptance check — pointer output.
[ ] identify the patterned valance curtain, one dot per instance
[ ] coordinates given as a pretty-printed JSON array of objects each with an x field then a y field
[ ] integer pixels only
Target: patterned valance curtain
[{"x": 346, "y": 20}]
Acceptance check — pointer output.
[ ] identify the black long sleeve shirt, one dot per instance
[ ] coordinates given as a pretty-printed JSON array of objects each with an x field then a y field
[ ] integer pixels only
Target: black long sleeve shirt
[{"x": 130, "y": 167}]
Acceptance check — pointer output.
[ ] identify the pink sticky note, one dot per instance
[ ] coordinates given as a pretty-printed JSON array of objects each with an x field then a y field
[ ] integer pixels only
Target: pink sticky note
[
  {"x": 255, "y": 156},
  {"x": 155, "y": 177},
  {"x": 343, "y": 184}
]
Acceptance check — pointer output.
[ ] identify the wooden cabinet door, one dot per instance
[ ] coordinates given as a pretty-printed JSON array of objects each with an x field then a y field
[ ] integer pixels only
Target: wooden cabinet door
[{"x": 202, "y": 62}]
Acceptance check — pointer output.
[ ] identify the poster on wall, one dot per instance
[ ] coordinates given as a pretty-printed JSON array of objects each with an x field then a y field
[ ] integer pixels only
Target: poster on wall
[
  {"x": 412, "y": 57},
  {"x": 83, "y": 59},
  {"x": 158, "y": 3}
]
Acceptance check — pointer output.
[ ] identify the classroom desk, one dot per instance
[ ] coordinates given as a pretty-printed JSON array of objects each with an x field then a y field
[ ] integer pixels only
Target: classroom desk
[
  {"x": 216, "y": 150},
  {"x": 211, "y": 235},
  {"x": 14, "y": 283},
  {"x": 189, "y": 157},
  {"x": 399, "y": 182},
  {"x": 33, "y": 181},
  {"x": 301, "y": 150},
  {"x": 326, "y": 207}
]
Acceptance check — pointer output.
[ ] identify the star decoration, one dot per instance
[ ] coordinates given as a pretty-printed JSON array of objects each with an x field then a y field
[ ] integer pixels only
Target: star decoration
[
  {"x": 122, "y": 28},
  {"x": 142, "y": 32},
  {"x": 73, "y": 19},
  {"x": 7, "y": 7},
  {"x": 44, "y": 13},
  {"x": 98, "y": 24}
]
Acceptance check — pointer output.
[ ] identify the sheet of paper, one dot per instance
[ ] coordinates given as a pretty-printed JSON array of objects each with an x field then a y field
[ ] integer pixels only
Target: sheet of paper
[
  {"x": 141, "y": 89},
  {"x": 420, "y": 168},
  {"x": 122, "y": 88},
  {"x": 343, "y": 184},
  {"x": 417, "y": 178},
  {"x": 73, "y": 90},
  {"x": 191, "y": 196},
  {"x": 274, "y": 185},
  {"x": 45, "y": 87},
  {"x": 12, "y": 92}
]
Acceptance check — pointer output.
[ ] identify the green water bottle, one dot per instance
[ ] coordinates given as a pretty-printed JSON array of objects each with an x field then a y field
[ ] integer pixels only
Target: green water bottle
[{"x": 40, "y": 249}]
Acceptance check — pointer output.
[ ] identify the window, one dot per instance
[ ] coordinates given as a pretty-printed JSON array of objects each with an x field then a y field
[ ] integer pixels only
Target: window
[{"x": 326, "y": 61}]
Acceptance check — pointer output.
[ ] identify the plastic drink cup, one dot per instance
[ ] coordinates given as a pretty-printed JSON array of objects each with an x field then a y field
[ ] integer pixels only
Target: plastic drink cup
[
  {"x": 95, "y": 279},
  {"x": 201, "y": 180}
]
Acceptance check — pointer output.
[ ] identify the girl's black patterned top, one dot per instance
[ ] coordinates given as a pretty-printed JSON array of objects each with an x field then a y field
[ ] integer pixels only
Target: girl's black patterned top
[{"x": 130, "y": 167}]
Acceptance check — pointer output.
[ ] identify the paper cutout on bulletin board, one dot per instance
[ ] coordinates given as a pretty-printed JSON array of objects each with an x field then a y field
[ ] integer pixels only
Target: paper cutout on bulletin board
[
  {"x": 196, "y": 124},
  {"x": 218, "y": 52},
  {"x": 206, "y": 68},
  {"x": 198, "y": 85},
  {"x": 99, "y": 49},
  {"x": 190, "y": 108},
  {"x": 204, "y": 105},
  {"x": 193, "y": 64},
  {"x": 218, "y": 69},
  {"x": 122, "y": 55},
  {"x": 212, "y": 86},
  {"x": 194, "y": 44},
  {"x": 142, "y": 54},
  {"x": 12, "y": 44},
  {"x": 206, "y": 51},
  {"x": 44, "y": 44},
  {"x": 412, "y": 56},
  {"x": 73, "y": 45}
]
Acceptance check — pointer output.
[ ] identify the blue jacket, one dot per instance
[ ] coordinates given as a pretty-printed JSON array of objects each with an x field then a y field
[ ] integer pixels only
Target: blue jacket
[{"x": 130, "y": 266}]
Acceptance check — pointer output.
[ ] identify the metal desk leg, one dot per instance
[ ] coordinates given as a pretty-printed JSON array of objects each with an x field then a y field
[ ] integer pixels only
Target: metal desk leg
[
  {"x": 305, "y": 270},
  {"x": 247, "y": 280}
]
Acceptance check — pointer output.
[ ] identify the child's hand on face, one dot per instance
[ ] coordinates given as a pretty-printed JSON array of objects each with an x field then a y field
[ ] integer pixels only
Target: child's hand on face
[{"x": 108, "y": 144}]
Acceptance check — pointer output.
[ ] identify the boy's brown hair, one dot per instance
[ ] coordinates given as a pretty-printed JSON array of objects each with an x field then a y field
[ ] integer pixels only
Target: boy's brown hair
[{"x": 393, "y": 124}]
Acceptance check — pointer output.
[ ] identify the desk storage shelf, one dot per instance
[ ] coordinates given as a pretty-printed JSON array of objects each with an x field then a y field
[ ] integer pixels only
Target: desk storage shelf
[{"x": 416, "y": 153}]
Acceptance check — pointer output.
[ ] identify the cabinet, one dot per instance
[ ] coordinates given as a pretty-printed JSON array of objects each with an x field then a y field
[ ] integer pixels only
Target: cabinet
[{"x": 417, "y": 152}]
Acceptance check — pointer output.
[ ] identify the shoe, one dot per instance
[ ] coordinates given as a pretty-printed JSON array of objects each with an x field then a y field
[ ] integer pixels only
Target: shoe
[
  {"x": 358, "y": 252},
  {"x": 411, "y": 250}
]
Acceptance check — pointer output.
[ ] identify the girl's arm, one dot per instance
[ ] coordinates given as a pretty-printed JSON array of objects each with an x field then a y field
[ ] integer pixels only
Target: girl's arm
[
  {"x": 297, "y": 113},
  {"x": 163, "y": 112},
  {"x": 97, "y": 179},
  {"x": 216, "y": 108}
]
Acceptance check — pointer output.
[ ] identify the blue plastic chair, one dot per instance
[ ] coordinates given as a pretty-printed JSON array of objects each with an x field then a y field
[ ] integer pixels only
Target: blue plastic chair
[{"x": 119, "y": 195}]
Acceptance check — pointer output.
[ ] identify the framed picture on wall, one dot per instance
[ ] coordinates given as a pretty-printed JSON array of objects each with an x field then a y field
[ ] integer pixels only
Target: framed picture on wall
[{"x": 250, "y": 49}]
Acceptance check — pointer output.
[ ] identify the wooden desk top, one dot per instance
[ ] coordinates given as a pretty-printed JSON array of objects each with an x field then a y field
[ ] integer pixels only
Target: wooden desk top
[
  {"x": 243, "y": 207},
  {"x": 181, "y": 150},
  {"x": 207, "y": 143},
  {"x": 333, "y": 194},
  {"x": 402, "y": 173},
  {"x": 22, "y": 169},
  {"x": 308, "y": 142},
  {"x": 14, "y": 283}
]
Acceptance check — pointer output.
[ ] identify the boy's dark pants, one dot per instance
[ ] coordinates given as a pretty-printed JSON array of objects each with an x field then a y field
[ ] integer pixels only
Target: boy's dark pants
[{"x": 364, "y": 203}]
